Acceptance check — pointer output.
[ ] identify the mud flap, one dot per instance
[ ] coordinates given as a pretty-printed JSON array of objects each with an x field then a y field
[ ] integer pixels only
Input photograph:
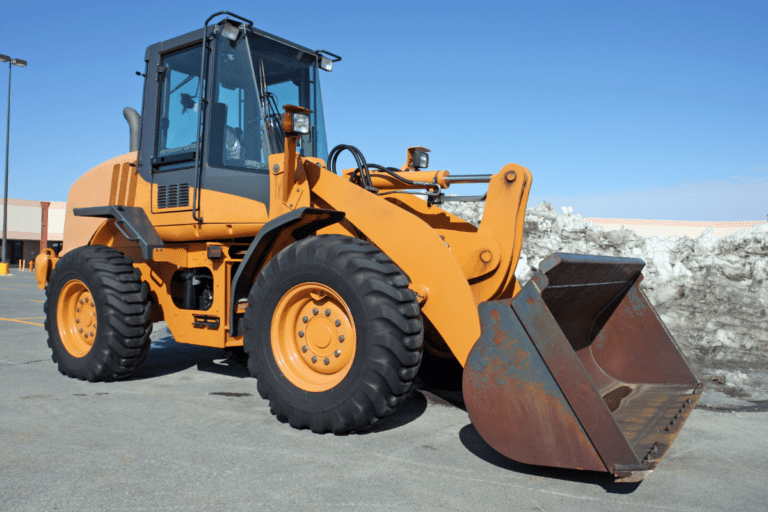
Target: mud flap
[{"x": 578, "y": 371}]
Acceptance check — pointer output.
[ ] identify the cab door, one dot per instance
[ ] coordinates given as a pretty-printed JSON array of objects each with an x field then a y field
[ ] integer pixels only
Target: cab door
[
  {"x": 235, "y": 180},
  {"x": 232, "y": 185},
  {"x": 173, "y": 164}
]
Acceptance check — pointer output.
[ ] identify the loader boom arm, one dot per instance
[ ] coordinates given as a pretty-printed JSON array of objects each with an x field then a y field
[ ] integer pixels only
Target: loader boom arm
[
  {"x": 415, "y": 247},
  {"x": 487, "y": 257}
]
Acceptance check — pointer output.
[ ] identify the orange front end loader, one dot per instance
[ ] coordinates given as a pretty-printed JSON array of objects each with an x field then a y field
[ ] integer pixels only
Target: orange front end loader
[{"x": 230, "y": 222}]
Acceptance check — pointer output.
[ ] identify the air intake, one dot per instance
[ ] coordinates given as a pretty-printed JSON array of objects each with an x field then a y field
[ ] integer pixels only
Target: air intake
[{"x": 172, "y": 196}]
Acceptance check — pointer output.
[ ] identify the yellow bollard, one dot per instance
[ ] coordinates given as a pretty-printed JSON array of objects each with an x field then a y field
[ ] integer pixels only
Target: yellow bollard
[
  {"x": 31, "y": 265},
  {"x": 4, "y": 269}
]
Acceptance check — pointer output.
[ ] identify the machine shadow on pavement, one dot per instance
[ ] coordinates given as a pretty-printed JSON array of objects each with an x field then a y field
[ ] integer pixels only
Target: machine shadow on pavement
[
  {"x": 167, "y": 357},
  {"x": 408, "y": 411},
  {"x": 472, "y": 441},
  {"x": 446, "y": 391}
]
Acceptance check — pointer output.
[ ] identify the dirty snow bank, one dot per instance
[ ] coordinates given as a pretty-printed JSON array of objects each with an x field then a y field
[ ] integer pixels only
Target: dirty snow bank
[{"x": 711, "y": 293}]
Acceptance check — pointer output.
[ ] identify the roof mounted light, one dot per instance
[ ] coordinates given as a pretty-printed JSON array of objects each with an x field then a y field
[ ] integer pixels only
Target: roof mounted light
[
  {"x": 230, "y": 31},
  {"x": 326, "y": 61},
  {"x": 326, "y": 64}
]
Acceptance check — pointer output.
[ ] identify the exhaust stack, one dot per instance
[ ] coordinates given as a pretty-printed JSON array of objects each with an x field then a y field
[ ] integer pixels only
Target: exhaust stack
[{"x": 134, "y": 121}]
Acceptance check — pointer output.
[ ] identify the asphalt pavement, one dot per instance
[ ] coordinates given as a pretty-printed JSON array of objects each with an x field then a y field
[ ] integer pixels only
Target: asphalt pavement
[{"x": 190, "y": 432}]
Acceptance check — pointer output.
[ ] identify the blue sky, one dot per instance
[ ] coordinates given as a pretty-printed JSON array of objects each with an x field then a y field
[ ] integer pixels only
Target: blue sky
[{"x": 632, "y": 109}]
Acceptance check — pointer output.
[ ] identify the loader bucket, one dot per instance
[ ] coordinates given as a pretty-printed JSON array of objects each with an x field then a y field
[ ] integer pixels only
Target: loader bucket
[{"x": 578, "y": 371}]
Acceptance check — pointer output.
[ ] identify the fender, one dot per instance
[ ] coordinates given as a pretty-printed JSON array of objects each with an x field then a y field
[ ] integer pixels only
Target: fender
[
  {"x": 136, "y": 226},
  {"x": 298, "y": 223}
]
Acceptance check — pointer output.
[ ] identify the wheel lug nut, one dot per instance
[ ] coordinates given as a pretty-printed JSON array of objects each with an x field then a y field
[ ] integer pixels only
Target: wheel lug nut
[
  {"x": 327, "y": 312},
  {"x": 315, "y": 311},
  {"x": 81, "y": 301},
  {"x": 304, "y": 348},
  {"x": 80, "y": 331},
  {"x": 337, "y": 353},
  {"x": 338, "y": 323},
  {"x": 77, "y": 309},
  {"x": 327, "y": 361},
  {"x": 77, "y": 320},
  {"x": 86, "y": 299},
  {"x": 301, "y": 334},
  {"x": 314, "y": 359},
  {"x": 305, "y": 319},
  {"x": 341, "y": 339}
]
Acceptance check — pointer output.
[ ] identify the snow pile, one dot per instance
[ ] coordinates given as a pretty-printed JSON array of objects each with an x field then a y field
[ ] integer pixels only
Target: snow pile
[{"x": 711, "y": 293}]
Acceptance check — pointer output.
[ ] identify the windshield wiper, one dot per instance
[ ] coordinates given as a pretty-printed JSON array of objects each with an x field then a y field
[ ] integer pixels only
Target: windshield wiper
[{"x": 273, "y": 127}]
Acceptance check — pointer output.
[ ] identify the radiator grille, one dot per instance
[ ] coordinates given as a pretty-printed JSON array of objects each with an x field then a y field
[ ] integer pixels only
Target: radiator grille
[{"x": 172, "y": 196}]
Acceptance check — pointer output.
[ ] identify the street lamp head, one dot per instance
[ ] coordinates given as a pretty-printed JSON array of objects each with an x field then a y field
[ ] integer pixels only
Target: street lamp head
[{"x": 15, "y": 62}]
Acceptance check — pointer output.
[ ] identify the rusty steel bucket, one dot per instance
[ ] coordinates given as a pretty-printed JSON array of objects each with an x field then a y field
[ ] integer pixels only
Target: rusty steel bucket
[{"x": 578, "y": 371}]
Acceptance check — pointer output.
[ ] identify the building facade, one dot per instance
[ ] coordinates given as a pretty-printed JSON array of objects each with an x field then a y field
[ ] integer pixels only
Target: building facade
[{"x": 32, "y": 226}]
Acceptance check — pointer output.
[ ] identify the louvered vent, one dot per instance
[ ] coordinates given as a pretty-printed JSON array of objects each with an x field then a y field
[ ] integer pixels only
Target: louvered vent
[{"x": 172, "y": 196}]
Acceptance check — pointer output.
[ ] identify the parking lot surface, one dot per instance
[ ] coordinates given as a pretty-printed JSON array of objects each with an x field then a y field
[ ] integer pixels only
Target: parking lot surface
[{"x": 190, "y": 432}]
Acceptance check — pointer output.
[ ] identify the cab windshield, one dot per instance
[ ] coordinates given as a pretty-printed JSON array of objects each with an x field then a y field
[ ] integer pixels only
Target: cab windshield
[{"x": 253, "y": 79}]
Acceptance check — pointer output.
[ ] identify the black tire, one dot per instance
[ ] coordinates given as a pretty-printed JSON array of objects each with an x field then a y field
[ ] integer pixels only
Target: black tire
[
  {"x": 122, "y": 314},
  {"x": 388, "y": 339}
]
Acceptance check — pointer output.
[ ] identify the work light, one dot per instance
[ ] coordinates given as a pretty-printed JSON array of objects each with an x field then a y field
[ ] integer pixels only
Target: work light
[
  {"x": 229, "y": 31},
  {"x": 296, "y": 123},
  {"x": 420, "y": 160},
  {"x": 326, "y": 64}
]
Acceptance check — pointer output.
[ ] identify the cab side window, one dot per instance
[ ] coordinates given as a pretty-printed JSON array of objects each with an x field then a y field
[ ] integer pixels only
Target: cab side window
[{"x": 179, "y": 103}]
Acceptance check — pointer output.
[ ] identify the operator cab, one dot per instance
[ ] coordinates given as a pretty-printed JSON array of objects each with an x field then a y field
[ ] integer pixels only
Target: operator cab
[{"x": 217, "y": 134}]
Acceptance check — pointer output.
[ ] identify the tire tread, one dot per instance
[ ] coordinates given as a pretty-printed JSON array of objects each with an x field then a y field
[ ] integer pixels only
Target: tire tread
[
  {"x": 396, "y": 336},
  {"x": 122, "y": 337}
]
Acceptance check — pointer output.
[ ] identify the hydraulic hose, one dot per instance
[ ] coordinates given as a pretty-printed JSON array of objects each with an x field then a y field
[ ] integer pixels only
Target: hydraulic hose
[{"x": 362, "y": 165}]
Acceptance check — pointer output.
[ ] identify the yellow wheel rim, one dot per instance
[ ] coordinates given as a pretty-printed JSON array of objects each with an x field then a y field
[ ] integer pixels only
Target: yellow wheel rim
[
  {"x": 76, "y": 317},
  {"x": 313, "y": 337}
]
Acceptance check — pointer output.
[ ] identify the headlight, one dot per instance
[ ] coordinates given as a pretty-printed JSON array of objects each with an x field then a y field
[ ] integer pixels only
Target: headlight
[
  {"x": 296, "y": 123},
  {"x": 300, "y": 123},
  {"x": 420, "y": 160}
]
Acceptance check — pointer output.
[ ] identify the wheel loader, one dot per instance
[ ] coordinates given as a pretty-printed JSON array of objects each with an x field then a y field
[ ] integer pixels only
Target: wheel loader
[{"x": 229, "y": 221}]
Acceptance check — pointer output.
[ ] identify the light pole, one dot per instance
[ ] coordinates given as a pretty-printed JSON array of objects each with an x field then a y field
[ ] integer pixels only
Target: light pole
[{"x": 20, "y": 63}]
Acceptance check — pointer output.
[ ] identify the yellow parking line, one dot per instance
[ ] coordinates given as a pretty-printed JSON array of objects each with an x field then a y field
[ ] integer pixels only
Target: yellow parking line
[
  {"x": 31, "y": 318},
  {"x": 20, "y": 321},
  {"x": 38, "y": 301}
]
